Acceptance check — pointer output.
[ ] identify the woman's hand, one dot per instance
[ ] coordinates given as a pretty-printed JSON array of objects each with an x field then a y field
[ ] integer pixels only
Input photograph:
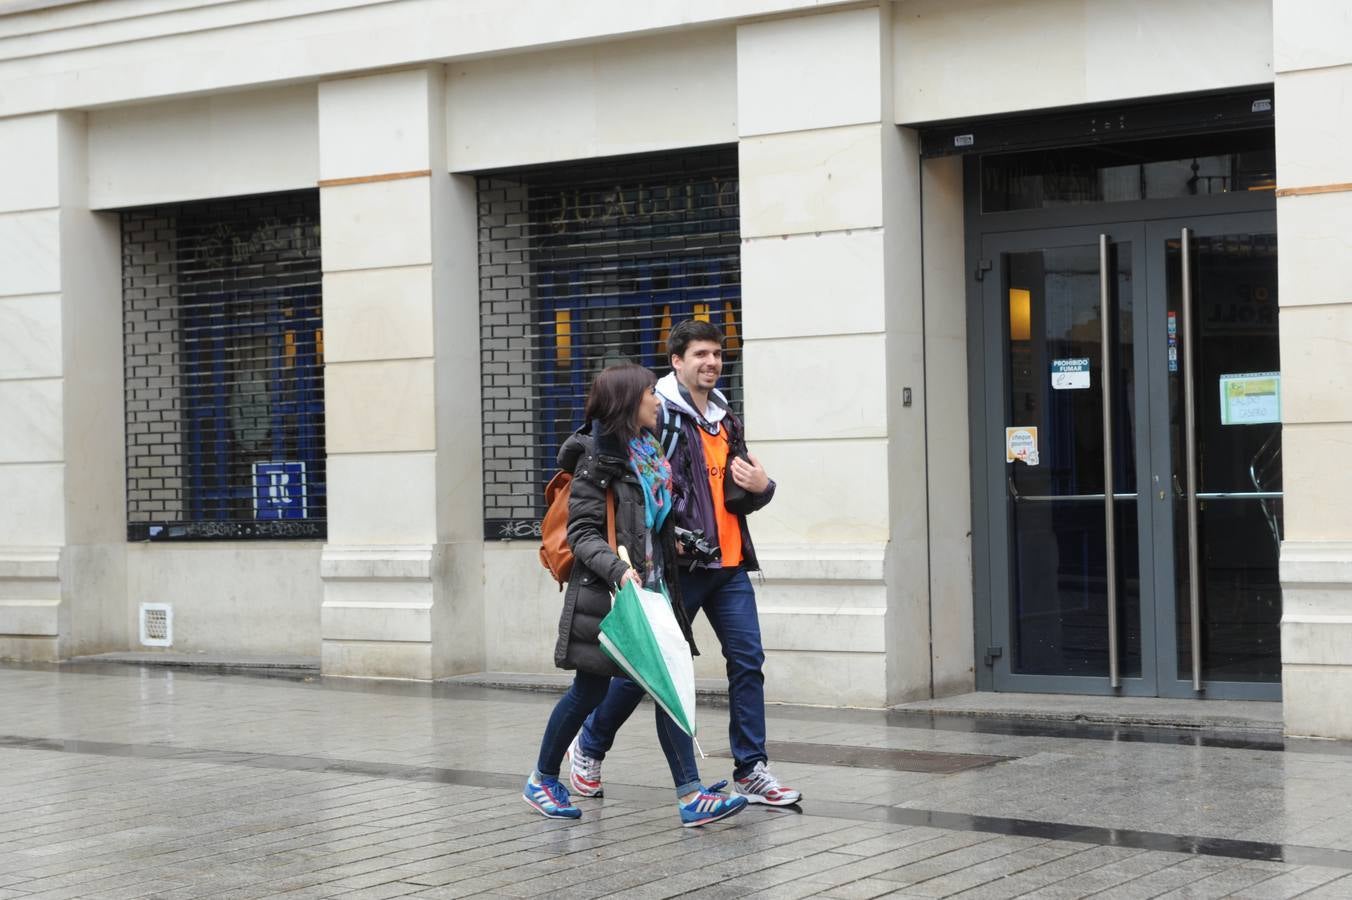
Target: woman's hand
[{"x": 630, "y": 575}]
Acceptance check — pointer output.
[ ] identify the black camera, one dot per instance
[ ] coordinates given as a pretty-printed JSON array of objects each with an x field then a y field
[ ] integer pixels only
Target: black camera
[{"x": 695, "y": 546}]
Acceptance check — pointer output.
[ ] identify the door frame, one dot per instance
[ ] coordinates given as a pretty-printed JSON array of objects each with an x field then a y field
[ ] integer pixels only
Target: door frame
[{"x": 977, "y": 226}]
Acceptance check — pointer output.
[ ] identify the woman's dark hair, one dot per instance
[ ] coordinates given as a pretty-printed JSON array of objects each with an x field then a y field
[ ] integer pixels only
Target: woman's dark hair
[{"x": 614, "y": 398}]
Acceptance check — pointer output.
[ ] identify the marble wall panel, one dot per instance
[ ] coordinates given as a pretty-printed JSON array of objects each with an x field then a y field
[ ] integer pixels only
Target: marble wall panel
[
  {"x": 1317, "y": 482},
  {"x": 30, "y": 253},
  {"x": 28, "y": 162},
  {"x": 382, "y": 498},
  {"x": 826, "y": 387},
  {"x": 1311, "y": 34},
  {"x": 376, "y": 225},
  {"x": 31, "y": 412},
  {"x": 1317, "y": 363},
  {"x": 813, "y": 284},
  {"x": 827, "y": 491},
  {"x": 655, "y": 93},
  {"x": 809, "y": 72},
  {"x": 1314, "y": 128},
  {"x": 379, "y": 406},
  {"x": 378, "y": 314},
  {"x": 226, "y": 145},
  {"x": 256, "y": 598},
  {"x": 375, "y": 124},
  {"x": 377, "y": 622},
  {"x": 811, "y": 181},
  {"x": 1316, "y": 232},
  {"x": 34, "y": 504},
  {"x": 970, "y": 59},
  {"x": 30, "y": 336}
]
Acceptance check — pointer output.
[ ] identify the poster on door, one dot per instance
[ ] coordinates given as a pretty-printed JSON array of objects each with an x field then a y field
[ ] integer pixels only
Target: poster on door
[
  {"x": 1021, "y": 445},
  {"x": 1070, "y": 374},
  {"x": 1251, "y": 399}
]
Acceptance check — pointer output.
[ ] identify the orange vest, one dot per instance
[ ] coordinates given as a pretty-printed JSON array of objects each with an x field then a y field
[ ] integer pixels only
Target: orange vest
[{"x": 729, "y": 530}]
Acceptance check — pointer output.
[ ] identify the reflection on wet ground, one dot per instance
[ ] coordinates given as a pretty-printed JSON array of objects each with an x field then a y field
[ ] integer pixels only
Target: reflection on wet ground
[
  {"x": 892, "y": 743},
  {"x": 1269, "y": 740},
  {"x": 927, "y": 818}
]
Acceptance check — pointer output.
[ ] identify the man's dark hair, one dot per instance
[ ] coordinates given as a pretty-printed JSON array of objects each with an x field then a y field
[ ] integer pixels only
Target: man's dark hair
[
  {"x": 615, "y": 396},
  {"x": 692, "y": 330}
]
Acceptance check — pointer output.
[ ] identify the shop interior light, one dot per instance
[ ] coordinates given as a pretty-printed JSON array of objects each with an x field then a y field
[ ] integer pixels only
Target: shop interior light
[
  {"x": 1020, "y": 314},
  {"x": 734, "y": 339},
  {"x": 563, "y": 338}
]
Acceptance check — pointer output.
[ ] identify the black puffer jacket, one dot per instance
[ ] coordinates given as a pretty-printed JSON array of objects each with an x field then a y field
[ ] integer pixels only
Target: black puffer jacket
[{"x": 599, "y": 463}]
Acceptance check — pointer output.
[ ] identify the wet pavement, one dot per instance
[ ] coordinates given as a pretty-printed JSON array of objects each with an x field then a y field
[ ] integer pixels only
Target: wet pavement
[{"x": 121, "y": 781}]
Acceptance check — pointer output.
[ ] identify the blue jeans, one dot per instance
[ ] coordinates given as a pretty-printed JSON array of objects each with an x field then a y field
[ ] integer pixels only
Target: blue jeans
[
  {"x": 586, "y": 692},
  {"x": 727, "y": 598}
]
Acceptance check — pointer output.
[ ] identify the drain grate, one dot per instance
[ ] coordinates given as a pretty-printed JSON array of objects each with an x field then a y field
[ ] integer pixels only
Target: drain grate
[{"x": 927, "y": 761}]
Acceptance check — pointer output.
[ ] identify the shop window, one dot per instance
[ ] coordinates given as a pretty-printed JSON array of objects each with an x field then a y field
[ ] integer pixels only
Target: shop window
[
  {"x": 1135, "y": 170},
  {"x": 223, "y": 348},
  {"x": 580, "y": 266}
]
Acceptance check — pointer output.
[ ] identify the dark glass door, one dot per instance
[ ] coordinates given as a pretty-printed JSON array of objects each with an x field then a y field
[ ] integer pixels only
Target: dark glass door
[
  {"x": 1134, "y": 503},
  {"x": 1224, "y": 521},
  {"x": 1065, "y": 309}
]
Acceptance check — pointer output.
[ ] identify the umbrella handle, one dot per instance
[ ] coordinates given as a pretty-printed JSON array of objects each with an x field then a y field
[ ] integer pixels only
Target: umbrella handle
[{"x": 623, "y": 553}]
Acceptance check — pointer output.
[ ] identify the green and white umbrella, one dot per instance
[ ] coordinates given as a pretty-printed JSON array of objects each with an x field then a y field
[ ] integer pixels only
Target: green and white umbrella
[{"x": 642, "y": 636}]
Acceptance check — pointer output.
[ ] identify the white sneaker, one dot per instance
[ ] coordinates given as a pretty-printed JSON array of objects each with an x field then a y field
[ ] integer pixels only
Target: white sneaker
[
  {"x": 762, "y": 787},
  {"x": 584, "y": 773}
]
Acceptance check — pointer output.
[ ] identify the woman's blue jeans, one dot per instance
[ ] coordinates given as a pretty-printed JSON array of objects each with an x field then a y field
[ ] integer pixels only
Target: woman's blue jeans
[
  {"x": 728, "y": 599},
  {"x": 585, "y": 694}
]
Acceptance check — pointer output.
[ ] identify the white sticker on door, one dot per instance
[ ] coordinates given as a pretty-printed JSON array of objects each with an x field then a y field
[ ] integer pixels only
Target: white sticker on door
[
  {"x": 1070, "y": 374},
  {"x": 1021, "y": 445},
  {"x": 1251, "y": 399}
]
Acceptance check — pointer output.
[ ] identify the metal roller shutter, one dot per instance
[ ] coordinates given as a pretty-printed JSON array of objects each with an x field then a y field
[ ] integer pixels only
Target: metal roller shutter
[
  {"x": 223, "y": 350},
  {"x": 580, "y": 266}
]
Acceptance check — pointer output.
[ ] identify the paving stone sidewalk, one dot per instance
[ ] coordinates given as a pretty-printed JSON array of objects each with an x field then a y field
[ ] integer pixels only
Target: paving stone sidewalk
[{"x": 121, "y": 782}]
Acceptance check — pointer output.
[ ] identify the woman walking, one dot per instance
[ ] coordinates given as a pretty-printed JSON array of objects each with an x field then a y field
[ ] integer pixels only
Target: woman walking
[{"x": 616, "y": 451}]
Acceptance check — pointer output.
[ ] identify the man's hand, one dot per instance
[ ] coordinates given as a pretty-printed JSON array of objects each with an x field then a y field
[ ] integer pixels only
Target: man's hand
[{"x": 749, "y": 476}]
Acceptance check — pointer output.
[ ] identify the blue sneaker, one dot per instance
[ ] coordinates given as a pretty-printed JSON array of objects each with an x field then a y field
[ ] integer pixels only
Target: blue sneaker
[
  {"x": 550, "y": 798},
  {"x": 708, "y": 806}
]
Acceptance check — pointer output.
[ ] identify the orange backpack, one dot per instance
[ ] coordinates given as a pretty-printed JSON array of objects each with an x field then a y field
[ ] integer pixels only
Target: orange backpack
[{"x": 555, "y": 554}]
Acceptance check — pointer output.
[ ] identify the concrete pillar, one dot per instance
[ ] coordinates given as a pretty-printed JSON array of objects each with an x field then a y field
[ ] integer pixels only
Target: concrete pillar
[
  {"x": 1313, "y": 59},
  {"x": 831, "y": 307},
  {"x": 62, "y": 523},
  {"x": 395, "y": 568},
  {"x": 948, "y": 431}
]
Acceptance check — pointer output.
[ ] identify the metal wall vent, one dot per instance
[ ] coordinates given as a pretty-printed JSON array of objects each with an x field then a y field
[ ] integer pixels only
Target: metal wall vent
[{"x": 157, "y": 625}]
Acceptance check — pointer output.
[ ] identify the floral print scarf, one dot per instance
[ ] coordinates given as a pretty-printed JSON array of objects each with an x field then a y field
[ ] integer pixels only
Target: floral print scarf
[{"x": 654, "y": 475}]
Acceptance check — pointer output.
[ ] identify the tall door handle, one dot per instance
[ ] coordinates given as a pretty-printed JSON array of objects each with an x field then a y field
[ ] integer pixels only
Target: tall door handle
[
  {"x": 1109, "y": 520},
  {"x": 1190, "y": 463}
]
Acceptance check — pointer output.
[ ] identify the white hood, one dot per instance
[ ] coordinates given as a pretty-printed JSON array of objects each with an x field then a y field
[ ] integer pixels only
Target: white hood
[{"x": 669, "y": 389}]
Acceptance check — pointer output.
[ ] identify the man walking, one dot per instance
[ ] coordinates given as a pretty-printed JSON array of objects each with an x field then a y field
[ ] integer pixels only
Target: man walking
[{"x": 703, "y": 439}]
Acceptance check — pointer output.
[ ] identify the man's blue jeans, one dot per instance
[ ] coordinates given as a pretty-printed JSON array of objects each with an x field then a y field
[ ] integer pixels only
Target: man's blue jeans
[
  {"x": 727, "y": 598},
  {"x": 583, "y": 695}
]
